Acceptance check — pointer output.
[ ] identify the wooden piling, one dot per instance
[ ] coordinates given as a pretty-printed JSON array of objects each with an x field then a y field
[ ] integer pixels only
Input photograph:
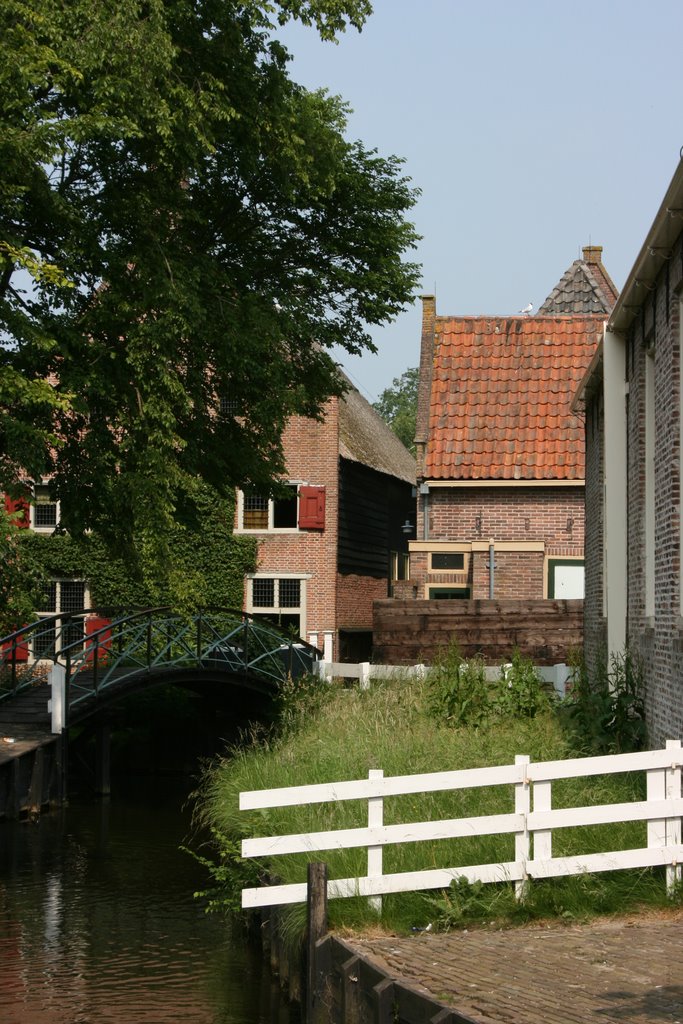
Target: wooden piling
[
  {"x": 103, "y": 760},
  {"x": 35, "y": 791},
  {"x": 317, "y": 929}
]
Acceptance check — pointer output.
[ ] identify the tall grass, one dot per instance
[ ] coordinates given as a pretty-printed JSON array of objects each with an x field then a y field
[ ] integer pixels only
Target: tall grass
[{"x": 330, "y": 733}]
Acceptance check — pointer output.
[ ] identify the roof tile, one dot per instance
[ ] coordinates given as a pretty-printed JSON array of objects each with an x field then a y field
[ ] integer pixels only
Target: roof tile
[{"x": 501, "y": 396}]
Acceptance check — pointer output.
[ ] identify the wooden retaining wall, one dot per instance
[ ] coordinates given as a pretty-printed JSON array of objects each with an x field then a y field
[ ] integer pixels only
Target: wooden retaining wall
[
  {"x": 31, "y": 775},
  {"x": 413, "y": 631},
  {"x": 345, "y": 987}
]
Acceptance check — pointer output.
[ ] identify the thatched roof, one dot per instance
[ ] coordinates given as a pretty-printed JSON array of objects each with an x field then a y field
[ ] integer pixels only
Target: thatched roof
[{"x": 364, "y": 437}]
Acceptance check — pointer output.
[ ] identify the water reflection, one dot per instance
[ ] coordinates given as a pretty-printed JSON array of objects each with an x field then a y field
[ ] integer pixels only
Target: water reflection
[{"x": 98, "y": 924}]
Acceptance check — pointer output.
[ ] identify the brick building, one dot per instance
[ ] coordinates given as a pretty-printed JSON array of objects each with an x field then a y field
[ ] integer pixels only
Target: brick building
[
  {"x": 633, "y": 406},
  {"x": 500, "y": 455},
  {"x": 333, "y": 540}
]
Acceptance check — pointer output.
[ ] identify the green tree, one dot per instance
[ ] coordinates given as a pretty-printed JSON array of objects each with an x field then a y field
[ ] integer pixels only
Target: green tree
[
  {"x": 397, "y": 405},
  {"x": 21, "y": 579},
  {"x": 184, "y": 234}
]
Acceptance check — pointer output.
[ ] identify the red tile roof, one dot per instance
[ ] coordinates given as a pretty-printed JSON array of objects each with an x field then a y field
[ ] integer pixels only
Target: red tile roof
[{"x": 501, "y": 394}]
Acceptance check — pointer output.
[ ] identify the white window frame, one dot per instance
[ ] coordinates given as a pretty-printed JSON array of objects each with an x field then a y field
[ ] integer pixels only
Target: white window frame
[
  {"x": 464, "y": 550},
  {"x": 59, "y": 580},
  {"x": 400, "y": 560},
  {"x": 277, "y": 608},
  {"x": 270, "y": 528},
  {"x": 43, "y": 488}
]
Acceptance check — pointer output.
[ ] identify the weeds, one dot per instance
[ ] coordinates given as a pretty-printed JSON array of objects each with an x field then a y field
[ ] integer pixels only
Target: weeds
[
  {"x": 327, "y": 733},
  {"x": 608, "y": 711},
  {"x": 459, "y": 692},
  {"x": 461, "y": 695},
  {"x": 521, "y": 693}
]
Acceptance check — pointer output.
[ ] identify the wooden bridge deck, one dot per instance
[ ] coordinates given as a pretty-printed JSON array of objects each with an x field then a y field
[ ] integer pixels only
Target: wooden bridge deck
[{"x": 26, "y": 715}]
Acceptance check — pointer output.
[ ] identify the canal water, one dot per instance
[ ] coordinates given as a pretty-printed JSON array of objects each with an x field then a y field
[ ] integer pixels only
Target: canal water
[{"x": 99, "y": 924}]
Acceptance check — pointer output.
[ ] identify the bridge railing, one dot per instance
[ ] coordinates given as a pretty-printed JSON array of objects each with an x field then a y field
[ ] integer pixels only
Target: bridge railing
[
  {"x": 26, "y": 653},
  {"x": 101, "y": 647}
]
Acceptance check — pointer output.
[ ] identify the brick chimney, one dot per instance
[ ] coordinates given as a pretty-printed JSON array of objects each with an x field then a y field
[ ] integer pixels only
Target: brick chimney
[
  {"x": 428, "y": 312},
  {"x": 424, "y": 389},
  {"x": 592, "y": 254}
]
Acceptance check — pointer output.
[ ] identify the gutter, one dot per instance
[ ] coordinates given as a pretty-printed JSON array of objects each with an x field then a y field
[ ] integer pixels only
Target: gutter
[{"x": 655, "y": 251}]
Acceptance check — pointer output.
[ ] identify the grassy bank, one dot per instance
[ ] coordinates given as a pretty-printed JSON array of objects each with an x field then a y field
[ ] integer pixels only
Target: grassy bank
[{"x": 407, "y": 726}]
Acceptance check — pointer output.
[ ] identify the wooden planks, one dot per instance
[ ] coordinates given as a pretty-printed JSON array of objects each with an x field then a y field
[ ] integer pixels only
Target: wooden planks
[{"x": 406, "y": 632}]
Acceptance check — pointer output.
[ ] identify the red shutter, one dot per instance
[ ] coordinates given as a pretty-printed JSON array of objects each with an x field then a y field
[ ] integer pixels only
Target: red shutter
[
  {"x": 14, "y": 506},
  {"x": 21, "y": 652},
  {"x": 311, "y": 508},
  {"x": 92, "y": 624}
]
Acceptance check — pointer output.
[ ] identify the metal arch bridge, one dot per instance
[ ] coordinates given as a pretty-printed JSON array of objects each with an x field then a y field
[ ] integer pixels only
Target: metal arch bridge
[{"x": 106, "y": 654}]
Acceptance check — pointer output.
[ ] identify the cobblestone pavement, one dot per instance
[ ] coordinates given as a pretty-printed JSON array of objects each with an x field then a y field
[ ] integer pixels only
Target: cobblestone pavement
[{"x": 626, "y": 970}]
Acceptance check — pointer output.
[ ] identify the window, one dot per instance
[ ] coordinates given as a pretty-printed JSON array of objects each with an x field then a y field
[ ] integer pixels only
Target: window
[
  {"x": 228, "y": 406},
  {"x": 280, "y": 513},
  {"x": 295, "y": 508},
  {"x": 279, "y": 599},
  {"x": 400, "y": 565},
  {"x": 44, "y": 511},
  {"x": 448, "y": 593},
  {"x": 60, "y": 596},
  {"x": 452, "y": 561}
]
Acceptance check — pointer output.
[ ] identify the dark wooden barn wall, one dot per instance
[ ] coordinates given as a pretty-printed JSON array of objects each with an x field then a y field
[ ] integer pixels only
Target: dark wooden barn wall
[{"x": 372, "y": 508}]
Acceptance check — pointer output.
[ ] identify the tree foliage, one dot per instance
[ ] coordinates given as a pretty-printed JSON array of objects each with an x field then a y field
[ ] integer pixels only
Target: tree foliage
[
  {"x": 206, "y": 564},
  {"x": 397, "y": 405},
  {"x": 20, "y": 580},
  {"x": 180, "y": 224}
]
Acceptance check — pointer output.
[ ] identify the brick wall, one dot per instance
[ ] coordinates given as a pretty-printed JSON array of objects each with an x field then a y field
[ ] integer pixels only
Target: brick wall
[
  {"x": 658, "y": 638},
  {"x": 549, "y": 516},
  {"x": 312, "y": 454},
  {"x": 355, "y": 597},
  {"x": 517, "y": 574},
  {"x": 594, "y": 639}
]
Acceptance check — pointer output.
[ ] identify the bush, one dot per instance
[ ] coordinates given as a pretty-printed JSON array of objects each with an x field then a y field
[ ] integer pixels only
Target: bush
[{"x": 608, "y": 711}]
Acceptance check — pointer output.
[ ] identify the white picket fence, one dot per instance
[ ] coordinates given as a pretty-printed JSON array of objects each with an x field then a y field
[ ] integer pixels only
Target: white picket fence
[
  {"x": 365, "y": 671},
  {"x": 532, "y": 822}
]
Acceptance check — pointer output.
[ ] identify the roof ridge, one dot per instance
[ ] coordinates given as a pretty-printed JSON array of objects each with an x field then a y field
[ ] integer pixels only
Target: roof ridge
[{"x": 583, "y": 286}]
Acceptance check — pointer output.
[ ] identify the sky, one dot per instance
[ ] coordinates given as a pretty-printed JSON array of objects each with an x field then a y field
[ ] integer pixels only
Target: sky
[{"x": 531, "y": 129}]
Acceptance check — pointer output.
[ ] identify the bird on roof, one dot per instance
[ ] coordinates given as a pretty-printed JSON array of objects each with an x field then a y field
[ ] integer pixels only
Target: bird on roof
[{"x": 527, "y": 309}]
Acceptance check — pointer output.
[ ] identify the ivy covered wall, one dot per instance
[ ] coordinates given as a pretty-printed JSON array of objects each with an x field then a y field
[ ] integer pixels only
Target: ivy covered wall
[{"x": 204, "y": 563}]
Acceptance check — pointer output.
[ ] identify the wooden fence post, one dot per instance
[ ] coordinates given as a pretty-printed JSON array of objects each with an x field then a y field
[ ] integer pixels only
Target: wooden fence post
[{"x": 317, "y": 929}]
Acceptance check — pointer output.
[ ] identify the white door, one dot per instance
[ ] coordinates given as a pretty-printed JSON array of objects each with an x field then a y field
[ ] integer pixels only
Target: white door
[{"x": 569, "y": 581}]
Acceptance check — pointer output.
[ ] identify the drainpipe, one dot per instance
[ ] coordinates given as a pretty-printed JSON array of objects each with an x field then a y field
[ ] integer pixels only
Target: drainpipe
[
  {"x": 492, "y": 568},
  {"x": 424, "y": 491}
]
